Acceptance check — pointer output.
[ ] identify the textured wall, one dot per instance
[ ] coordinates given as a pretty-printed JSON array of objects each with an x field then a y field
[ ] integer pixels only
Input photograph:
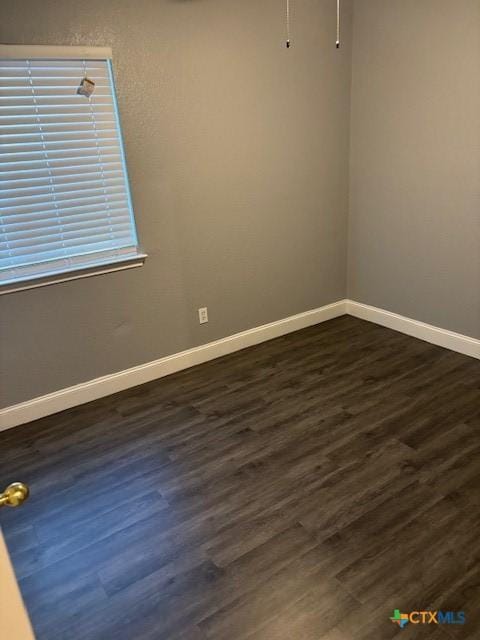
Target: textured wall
[
  {"x": 414, "y": 233},
  {"x": 237, "y": 151}
]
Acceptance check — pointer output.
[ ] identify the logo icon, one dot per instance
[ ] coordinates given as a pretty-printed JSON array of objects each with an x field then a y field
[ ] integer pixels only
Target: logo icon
[{"x": 399, "y": 618}]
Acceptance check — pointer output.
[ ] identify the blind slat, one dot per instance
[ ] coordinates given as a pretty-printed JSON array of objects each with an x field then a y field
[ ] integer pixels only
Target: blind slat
[
  {"x": 40, "y": 181},
  {"x": 68, "y": 238},
  {"x": 40, "y": 201},
  {"x": 60, "y": 206},
  {"x": 68, "y": 249},
  {"x": 71, "y": 170},
  {"x": 36, "y": 189},
  {"x": 96, "y": 257},
  {"x": 54, "y": 153},
  {"x": 25, "y": 231},
  {"x": 56, "y": 132},
  {"x": 37, "y": 220},
  {"x": 74, "y": 161}
]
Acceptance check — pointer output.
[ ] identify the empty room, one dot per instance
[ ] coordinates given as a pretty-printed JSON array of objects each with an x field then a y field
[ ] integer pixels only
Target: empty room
[{"x": 239, "y": 319}]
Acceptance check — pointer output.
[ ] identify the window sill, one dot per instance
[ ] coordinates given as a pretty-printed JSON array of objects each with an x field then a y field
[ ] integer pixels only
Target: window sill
[{"x": 57, "y": 277}]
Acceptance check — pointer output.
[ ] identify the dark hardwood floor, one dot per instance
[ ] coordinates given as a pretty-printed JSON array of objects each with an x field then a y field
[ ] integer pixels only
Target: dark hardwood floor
[{"x": 302, "y": 489}]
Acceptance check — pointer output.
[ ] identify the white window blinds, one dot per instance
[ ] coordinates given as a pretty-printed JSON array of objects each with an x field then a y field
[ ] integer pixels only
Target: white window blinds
[{"x": 64, "y": 195}]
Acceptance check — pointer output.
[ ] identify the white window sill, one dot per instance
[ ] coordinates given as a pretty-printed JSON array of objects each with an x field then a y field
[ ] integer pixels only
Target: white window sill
[{"x": 66, "y": 275}]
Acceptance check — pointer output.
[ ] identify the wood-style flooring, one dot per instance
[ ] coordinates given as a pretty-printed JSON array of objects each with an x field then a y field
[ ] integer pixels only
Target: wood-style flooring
[{"x": 301, "y": 489}]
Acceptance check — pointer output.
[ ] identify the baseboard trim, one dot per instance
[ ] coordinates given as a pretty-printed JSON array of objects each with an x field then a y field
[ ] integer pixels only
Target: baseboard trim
[
  {"x": 440, "y": 337},
  {"x": 100, "y": 387},
  {"x": 106, "y": 385}
]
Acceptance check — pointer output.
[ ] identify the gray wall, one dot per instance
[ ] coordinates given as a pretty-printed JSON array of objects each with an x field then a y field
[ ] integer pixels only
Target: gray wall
[
  {"x": 238, "y": 156},
  {"x": 414, "y": 232}
]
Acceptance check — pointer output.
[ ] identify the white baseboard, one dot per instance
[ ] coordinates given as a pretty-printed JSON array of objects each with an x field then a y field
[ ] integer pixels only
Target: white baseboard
[
  {"x": 106, "y": 385},
  {"x": 441, "y": 337}
]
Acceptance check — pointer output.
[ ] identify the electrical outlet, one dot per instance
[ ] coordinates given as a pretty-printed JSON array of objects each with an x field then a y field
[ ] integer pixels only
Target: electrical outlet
[{"x": 203, "y": 315}]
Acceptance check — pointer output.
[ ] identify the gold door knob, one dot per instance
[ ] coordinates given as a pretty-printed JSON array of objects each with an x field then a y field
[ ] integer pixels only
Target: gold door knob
[{"x": 14, "y": 495}]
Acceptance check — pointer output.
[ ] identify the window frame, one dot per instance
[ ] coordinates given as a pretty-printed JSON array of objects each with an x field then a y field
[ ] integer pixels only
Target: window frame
[{"x": 111, "y": 264}]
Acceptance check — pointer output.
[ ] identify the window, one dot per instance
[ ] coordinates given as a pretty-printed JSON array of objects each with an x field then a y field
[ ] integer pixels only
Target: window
[{"x": 65, "y": 206}]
